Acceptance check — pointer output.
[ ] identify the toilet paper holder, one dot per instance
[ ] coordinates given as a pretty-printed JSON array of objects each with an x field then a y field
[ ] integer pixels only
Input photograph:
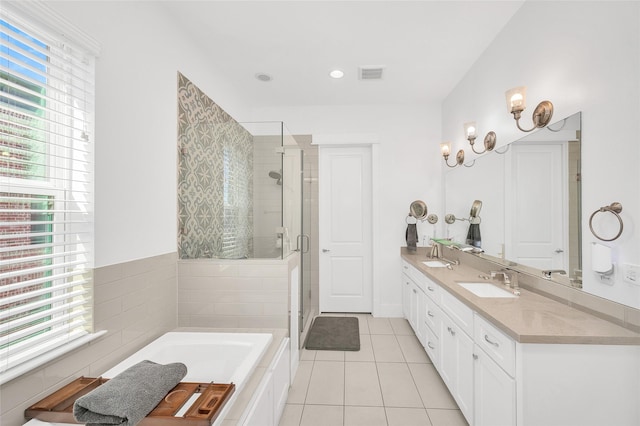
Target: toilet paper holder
[{"x": 614, "y": 208}]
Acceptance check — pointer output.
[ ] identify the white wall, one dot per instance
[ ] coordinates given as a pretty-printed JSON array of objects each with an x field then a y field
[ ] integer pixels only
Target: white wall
[
  {"x": 408, "y": 171},
  {"x": 136, "y": 124},
  {"x": 583, "y": 56}
]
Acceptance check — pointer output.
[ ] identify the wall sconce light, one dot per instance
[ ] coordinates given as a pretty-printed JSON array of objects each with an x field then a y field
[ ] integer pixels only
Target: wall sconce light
[
  {"x": 516, "y": 103},
  {"x": 445, "y": 148},
  {"x": 470, "y": 133}
]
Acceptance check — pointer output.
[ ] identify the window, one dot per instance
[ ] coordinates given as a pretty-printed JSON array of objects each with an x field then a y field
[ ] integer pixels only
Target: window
[{"x": 46, "y": 191}]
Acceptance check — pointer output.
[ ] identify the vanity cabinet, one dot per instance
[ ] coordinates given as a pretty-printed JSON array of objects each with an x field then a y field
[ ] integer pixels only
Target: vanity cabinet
[
  {"x": 494, "y": 392},
  {"x": 433, "y": 322},
  {"x": 498, "y": 381},
  {"x": 413, "y": 303},
  {"x": 494, "y": 371},
  {"x": 456, "y": 364},
  {"x": 456, "y": 353}
]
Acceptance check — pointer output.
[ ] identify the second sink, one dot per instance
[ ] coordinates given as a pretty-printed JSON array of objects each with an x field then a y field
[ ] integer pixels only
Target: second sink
[
  {"x": 435, "y": 264},
  {"x": 486, "y": 290}
]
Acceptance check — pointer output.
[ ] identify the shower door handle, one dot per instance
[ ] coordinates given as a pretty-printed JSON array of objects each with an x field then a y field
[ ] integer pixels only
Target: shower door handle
[{"x": 299, "y": 246}]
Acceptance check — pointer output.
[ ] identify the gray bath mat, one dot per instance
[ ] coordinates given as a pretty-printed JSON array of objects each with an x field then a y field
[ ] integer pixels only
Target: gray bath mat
[{"x": 334, "y": 334}]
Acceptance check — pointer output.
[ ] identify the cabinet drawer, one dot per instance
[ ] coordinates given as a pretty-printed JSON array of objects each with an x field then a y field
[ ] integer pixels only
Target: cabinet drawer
[
  {"x": 432, "y": 315},
  {"x": 431, "y": 289},
  {"x": 500, "y": 347},
  {"x": 432, "y": 347},
  {"x": 405, "y": 267},
  {"x": 460, "y": 313}
]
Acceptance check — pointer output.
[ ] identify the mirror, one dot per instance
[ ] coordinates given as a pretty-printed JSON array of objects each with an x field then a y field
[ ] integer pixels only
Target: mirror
[
  {"x": 418, "y": 209},
  {"x": 530, "y": 193}
]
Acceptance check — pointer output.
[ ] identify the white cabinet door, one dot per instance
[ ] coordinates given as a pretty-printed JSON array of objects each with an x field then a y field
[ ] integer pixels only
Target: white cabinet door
[
  {"x": 456, "y": 365},
  {"x": 413, "y": 308},
  {"x": 495, "y": 393},
  {"x": 420, "y": 314},
  {"x": 406, "y": 297}
]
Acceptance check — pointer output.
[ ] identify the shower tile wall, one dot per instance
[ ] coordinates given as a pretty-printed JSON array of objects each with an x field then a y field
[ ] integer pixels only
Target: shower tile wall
[
  {"x": 215, "y": 179},
  {"x": 267, "y": 200}
]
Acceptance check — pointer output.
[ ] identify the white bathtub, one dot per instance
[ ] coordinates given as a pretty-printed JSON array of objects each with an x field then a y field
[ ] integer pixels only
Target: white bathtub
[{"x": 209, "y": 357}]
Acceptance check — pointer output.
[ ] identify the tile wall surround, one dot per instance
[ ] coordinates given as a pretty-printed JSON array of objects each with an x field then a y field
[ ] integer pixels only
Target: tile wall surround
[
  {"x": 215, "y": 179},
  {"x": 617, "y": 313},
  {"x": 134, "y": 301},
  {"x": 267, "y": 197},
  {"x": 236, "y": 293}
]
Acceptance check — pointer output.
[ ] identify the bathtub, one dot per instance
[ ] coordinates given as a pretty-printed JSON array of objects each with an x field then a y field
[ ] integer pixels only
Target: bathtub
[{"x": 209, "y": 357}]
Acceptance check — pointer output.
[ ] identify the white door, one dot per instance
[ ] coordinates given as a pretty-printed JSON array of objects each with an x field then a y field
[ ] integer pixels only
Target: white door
[
  {"x": 345, "y": 229},
  {"x": 535, "y": 187}
]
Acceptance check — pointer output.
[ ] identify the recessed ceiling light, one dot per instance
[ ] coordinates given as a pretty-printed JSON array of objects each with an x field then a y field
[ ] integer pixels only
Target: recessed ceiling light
[
  {"x": 263, "y": 77},
  {"x": 336, "y": 74}
]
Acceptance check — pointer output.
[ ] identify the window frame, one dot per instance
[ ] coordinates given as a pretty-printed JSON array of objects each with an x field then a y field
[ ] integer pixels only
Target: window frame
[{"x": 59, "y": 169}]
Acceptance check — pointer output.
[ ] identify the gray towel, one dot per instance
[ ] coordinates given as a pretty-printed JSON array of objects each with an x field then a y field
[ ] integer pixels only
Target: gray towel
[
  {"x": 130, "y": 396},
  {"x": 412, "y": 237}
]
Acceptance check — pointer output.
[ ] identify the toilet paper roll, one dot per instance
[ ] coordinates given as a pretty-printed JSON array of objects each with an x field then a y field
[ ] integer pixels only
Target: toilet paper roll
[{"x": 601, "y": 258}]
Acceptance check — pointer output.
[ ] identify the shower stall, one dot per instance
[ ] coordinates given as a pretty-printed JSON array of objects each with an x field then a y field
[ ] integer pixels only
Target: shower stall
[{"x": 241, "y": 196}]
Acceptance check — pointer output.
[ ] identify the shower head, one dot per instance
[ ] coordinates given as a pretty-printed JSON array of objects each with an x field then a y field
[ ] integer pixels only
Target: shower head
[
  {"x": 274, "y": 175},
  {"x": 277, "y": 176}
]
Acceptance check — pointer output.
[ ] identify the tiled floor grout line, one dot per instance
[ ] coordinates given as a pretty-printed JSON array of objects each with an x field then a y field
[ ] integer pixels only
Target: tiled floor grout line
[{"x": 406, "y": 353}]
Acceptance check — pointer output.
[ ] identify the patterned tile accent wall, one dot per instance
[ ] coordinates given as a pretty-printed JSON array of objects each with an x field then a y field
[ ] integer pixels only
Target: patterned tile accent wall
[{"x": 215, "y": 179}]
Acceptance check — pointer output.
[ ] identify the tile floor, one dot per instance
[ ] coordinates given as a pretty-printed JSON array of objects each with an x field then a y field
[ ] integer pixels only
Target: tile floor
[{"x": 390, "y": 381}]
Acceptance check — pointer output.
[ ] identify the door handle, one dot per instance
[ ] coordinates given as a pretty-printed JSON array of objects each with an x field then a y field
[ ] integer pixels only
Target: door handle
[
  {"x": 326, "y": 250},
  {"x": 306, "y": 238}
]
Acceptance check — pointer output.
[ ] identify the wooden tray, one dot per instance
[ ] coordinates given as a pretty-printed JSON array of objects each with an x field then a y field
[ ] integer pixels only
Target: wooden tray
[{"x": 58, "y": 407}]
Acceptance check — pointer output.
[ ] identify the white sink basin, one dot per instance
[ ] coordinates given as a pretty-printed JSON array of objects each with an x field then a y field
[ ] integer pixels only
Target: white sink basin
[
  {"x": 435, "y": 264},
  {"x": 486, "y": 290}
]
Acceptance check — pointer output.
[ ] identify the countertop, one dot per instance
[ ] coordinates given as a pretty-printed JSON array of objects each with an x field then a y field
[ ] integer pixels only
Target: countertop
[{"x": 530, "y": 317}]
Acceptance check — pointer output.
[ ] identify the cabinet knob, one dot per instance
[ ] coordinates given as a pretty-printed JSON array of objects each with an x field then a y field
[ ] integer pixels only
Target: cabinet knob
[
  {"x": 430, "y": 314},
  {"x": 430, "y": 345},
  {"x": 475, "y": 356},
  {"x": 414, "y": 290},
  {"x": 430, "y": 288}
]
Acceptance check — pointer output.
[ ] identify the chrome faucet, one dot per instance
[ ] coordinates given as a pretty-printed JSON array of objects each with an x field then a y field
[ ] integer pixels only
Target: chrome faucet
[
  {"x": 509, "y": 278},
  {"x": 505, "y": 276},
  {"x": 435, "y": 251},
  {"x": 547, "y": 273}
]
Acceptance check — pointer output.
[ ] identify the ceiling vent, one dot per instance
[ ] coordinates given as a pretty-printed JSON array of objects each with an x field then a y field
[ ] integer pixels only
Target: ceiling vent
[{"x": 370, "y": 73}]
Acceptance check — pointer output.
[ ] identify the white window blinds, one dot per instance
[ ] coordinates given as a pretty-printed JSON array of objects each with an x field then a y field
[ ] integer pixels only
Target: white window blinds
[{"x": 46, "y": 190}]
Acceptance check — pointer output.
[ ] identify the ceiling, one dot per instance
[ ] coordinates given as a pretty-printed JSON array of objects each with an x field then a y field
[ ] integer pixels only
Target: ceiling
[{"x": 425, "y": 47}]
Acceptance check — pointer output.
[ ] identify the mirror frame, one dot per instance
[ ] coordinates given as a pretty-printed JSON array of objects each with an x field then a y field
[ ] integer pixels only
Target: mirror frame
[{"x": 574, "y": 274}]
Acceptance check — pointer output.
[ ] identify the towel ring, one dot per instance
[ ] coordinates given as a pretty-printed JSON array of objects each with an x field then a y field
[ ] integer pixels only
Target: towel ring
[{"x": 614, "y": 208}]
